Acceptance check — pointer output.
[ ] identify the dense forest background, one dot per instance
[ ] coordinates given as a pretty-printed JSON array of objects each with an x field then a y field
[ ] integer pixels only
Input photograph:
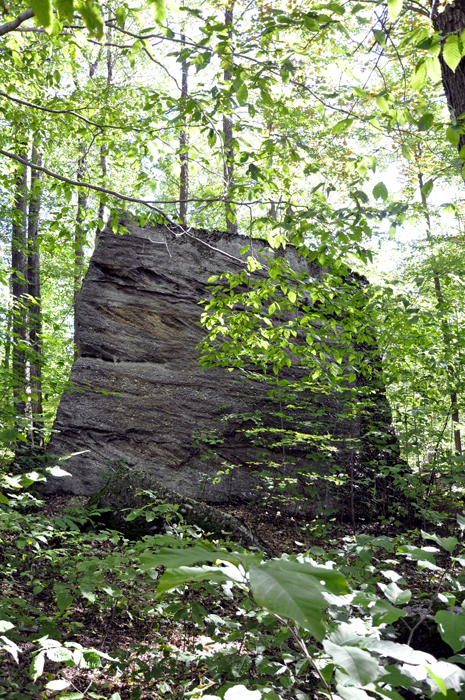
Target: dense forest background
[{"x": 333, "y": 127}]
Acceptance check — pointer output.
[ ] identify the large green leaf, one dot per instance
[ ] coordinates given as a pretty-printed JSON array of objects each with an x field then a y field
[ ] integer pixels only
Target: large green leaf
[
  {"x": 380, "y": 191},
  {"x": 401, "y": 652},
  {"x": 452, "y": 51},
  {"x": 92, "y": 17},
  {"x": 296, "y": 591},
  {"x": 360, "y": 665},
  {"x": 448, "y": 543},
  {"x": 159, "y": 10},
  {"x": 65, "y": 9},
  {"x": 451, "y": 628},
  {"x": 43, "y": 12},
  {"x": 394, "y": 9},
  {"x": 172, "y": 578},
  {"x": 174, "y": 558}
]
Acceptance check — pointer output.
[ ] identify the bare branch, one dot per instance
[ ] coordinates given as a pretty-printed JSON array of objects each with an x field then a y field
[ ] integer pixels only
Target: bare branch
[{"x": 11, "y": 26}]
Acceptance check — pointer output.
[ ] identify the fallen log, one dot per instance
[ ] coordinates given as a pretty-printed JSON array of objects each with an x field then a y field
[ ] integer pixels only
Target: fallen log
[{"x": 128, "y": 489}]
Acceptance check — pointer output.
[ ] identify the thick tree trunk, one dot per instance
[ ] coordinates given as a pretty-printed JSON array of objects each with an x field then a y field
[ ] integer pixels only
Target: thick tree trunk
[
  {"x": 183, "y": 146},
  {"x": 35, "y": 306},
  {"x": 19, "y": 286},
  {"x": 228, "y": 158},
  {"x": 452, "y": 21}
]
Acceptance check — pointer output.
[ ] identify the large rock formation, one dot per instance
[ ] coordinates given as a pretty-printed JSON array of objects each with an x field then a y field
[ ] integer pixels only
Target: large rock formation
[{"x": 138, "y": 394}]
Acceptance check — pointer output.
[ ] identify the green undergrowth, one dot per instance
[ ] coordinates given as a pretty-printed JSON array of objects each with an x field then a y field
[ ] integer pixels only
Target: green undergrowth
[{"x": 86, "y": 613}]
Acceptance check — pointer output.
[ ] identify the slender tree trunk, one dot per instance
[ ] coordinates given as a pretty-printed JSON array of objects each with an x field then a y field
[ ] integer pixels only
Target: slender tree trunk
[
  {"x": 445, "y": 328},
  {"x": 79, "y": 236},
  {"x": 104, "y": 170},
  {"x": 104, "y": 146},
  {"x": 228, "y": 167},
  {"x": 35, "y": 305},
  {"x": 184, "y": 145},
  {"x": 19, "y": 285}
]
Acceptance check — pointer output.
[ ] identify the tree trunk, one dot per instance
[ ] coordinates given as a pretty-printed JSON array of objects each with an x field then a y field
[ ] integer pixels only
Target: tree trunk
[
  {"x": 34, "y": 305},
  {"x": 19, "y": 285},
  {"x": 452, "y": 21},
  {"x": 79, "y": 236},
  {"x": 184, "y": 145},
  {"x": 104, "y": 146},
  {"x": 445, "y": 327},
  {"x": 228, "y": 157}
]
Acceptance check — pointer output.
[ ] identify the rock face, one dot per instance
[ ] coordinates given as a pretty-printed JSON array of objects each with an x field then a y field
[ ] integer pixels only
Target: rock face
[{"x": 138, "y": 393}]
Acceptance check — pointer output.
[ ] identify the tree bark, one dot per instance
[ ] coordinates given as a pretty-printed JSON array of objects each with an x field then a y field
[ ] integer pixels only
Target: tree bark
[
  {"x": 35, "y": 305},
  {"x": 19, "y": 285},
  {"x": 452, "y": 21},
  {"x": 80, "y": 235},
  {"x": 184, "y": 145},
  {"x": 228, "y": 158}
]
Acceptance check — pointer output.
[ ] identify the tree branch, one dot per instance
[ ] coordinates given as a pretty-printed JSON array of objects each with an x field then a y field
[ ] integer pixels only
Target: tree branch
[
  {"x": 77, "y": 183},
  {"x": 11, "y": 26},
  {"x": 61, "y": 111}
]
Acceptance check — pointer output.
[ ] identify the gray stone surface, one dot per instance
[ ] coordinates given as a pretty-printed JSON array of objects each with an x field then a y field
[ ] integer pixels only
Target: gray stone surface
[{"x": 139, "y": 394}]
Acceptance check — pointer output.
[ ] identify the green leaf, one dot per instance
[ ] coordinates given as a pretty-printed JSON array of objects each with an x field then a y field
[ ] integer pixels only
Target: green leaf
[
  {"x": 36, "y": 668},
  {"x": 92, "y": 18},
  {"x": 380, "y": 191},
  {"x": 296, "y": 591},
  {"x": 382, "y": 103},
  {"x": 461, "y": 522},
  {"x": 242, "y": 94},
  {"x": 394, "y": 594},
  {"x": 385, "y": 613},
  {"x": 266, "y": 98},
  {"x": 43, "y": 12},
  {"x": 406, "y": 152},
  {"x": 64, "y": 600},
  {"x": 453, "y": 137},
  {"x": 360, "y": 665},
  {"x": 418, "y": 77},
  {"x": 59, "y": 654},
  {"x": 433, "y": 68},
  {"x": 426, "y": 122},
  {"x": 341, "y": 126},
  {"x": 60, "y": 684},
  {"x": 452, "y": 51},
  {"x": 448, "y": 543},
  {"x": 439, "y": 682},
  {"x": 401, "y": 652},
  {"x": 65, "y": 9},
  {"x": 427, "y": 188},
  {"x": 394, "y": 9},
  {"x": 172, "y": 578},
  {"x": 159, "y": 10},
  {"x": 417, "y": 553},
  {"x": 5, "y": 625},
  {"x": 174, "y": 558},
  {"x": 451, "y": 628}
]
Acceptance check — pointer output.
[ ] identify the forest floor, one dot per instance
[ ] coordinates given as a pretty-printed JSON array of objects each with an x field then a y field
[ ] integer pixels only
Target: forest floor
[{"x": 127, "y": 624}]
